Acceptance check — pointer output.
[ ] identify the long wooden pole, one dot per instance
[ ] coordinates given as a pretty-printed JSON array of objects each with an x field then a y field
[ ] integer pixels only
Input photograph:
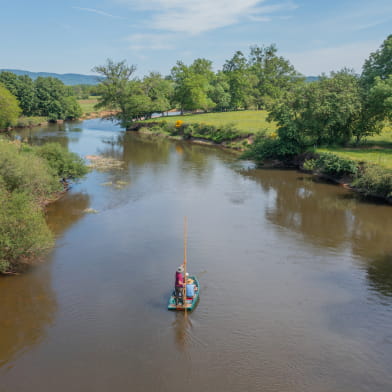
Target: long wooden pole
[{"x": 185, "y": 245}]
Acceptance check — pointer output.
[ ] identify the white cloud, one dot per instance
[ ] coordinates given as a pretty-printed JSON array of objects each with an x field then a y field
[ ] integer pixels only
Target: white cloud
[
  {"x": 99, "y": 12},
  {"x": 198, "y": 16},
  {"x": 315, "y": 62}
]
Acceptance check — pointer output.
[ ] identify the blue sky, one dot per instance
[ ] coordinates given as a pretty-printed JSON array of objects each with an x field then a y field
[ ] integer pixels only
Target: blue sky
[{"x": 75, "y": 35}]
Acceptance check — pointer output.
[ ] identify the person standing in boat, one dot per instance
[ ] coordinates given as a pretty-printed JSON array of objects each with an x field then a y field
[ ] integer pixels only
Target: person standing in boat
[{"x": 179, "y": 284}]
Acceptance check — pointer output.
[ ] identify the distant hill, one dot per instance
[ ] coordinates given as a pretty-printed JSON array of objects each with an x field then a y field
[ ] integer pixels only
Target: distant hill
[
  {"x": 312, "y": 78},
  {"x": 69, "y": 79}
]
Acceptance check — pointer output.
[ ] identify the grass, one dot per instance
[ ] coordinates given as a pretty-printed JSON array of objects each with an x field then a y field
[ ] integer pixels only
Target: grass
[
  {"x": 246, "y": 121},
  {"x": 87, "y": 105},
  {"x": 375, "y": 149}
]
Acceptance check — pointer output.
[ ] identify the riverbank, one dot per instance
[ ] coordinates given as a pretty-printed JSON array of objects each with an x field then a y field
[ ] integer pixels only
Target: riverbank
[
  {"x": 31, "y": 122},
  {"x": 31, "y": 177},
  {"x": 363, "y": 177}
]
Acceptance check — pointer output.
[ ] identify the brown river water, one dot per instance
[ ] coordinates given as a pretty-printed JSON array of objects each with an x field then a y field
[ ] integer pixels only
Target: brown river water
[{"x": 295, "y": 275}]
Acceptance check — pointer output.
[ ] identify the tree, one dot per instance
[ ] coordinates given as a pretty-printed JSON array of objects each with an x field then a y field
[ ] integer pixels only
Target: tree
[
  {"x": 22, "y": 87},
  {"x": 55, "y": 100},
  {"x": 376, "y": 82},
  {"x": 220, "y": 92},
  {"x": 329, "y": 111},
  {"x": 114, "y": 84},
  {"x": 9, "y": 108},
  {"x": 192, "y": 85},
  {"x": 379, "y": 64},
  {"x": 159, "y": 91},
  {"x": 238, "y": 77},
  {"x": 274, "y": 74}
]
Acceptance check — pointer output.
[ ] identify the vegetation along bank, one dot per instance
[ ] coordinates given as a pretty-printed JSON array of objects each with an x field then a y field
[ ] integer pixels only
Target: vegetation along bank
[{"x": 30, "y": 177}]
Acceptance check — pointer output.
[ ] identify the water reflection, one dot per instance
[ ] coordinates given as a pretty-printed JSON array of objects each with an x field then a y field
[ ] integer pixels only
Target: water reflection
[
  {"x": 182, "y": 327},
  {"x": 328, "y": 216},
  {"x": 27, "y": 307},
  {"x": 379, "y": 274},
  {"x": 67, "y": 211}
]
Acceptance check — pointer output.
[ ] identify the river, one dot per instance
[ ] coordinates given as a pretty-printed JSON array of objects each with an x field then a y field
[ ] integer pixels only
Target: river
[{"x": 296, "y": 278}]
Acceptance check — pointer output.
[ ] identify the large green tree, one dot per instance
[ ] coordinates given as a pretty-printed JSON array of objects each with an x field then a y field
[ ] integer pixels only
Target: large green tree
[
  {"x": 116, "y": 88},
  {"x": 192, "y": 85},
  {"x": 55, "y": 100},
  {"x": 240, "y": 81},
  {"x": 328, "y": 111},
  {"x": 273, "y": 74},
  {"x": 159, "y": 90},
  {"x": 376, "y": 81},
  {"x": 9, "y": 108},
  {"x": 379, "y": 64},
  {"x": 22, "y": 86}
]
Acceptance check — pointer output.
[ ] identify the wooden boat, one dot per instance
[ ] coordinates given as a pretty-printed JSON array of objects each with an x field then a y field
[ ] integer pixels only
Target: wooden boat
[{"x": 190, "y": 302}]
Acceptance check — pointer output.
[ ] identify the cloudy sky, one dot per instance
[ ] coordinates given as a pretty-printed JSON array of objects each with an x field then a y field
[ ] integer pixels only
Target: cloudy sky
[{"x": 75, "y": 35}]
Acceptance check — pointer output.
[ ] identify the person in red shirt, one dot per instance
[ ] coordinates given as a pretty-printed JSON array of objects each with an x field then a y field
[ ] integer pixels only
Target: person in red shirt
[{"x": 179, "y": 284}]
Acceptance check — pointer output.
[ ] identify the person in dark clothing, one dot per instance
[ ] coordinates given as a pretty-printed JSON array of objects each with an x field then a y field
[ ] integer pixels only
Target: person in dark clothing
[{"x": 179, "y": 284}]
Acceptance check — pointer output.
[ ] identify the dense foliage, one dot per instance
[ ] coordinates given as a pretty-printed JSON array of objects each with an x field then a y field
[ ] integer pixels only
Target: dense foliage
[
  {"x": 332, "y": 165},
  {"x": 46, "y": 96},
  {"x": 9, "y": 108},
  {"x": 375, "y": 180},
  {"x": 23, "y": 230},
  {"x": 29, "y": 176}
]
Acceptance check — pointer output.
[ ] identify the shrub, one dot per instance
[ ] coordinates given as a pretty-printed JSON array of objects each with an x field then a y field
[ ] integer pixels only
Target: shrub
[
  {"x": 336, "y": 166},
  {"x": 264, "y": 148},
  {"x": 210, "y": 132},
  {"x": 310, "y": 164},
  {"x": 375, "y": 180},
  {"x": 66, "y": 164},
  {"x": 23, "y": 230},
  {"x": 22, "y": 171}
]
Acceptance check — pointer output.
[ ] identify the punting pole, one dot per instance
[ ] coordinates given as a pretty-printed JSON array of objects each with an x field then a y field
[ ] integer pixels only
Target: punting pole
[{"x": 185, "y": 279}]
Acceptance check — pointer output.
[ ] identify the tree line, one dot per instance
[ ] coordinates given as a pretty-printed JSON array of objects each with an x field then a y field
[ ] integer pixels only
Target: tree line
[
  {"x": 334, "y": 109},
  {"x": 244, "y": 82},
  {"x": 45, "y": 96}
]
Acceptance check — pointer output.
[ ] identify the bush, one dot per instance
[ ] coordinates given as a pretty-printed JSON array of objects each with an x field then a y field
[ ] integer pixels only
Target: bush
[
  {"x": 23, "y": 230},
  {"x": 375, "y": 180},
  {"x": 210, "y": 132},
  {"x": 30, "y": 121},
  {"x": 265, "y": 147},
  {"x": 333, "y": 165},
  {"x": 22, "y": 171},
  {"x": 66, "y": 164}
]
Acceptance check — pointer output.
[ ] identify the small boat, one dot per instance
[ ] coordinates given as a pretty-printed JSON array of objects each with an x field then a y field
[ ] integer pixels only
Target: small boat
[
  {"x": 190, "y": 301},
  {"x": 191, "y": 290}
]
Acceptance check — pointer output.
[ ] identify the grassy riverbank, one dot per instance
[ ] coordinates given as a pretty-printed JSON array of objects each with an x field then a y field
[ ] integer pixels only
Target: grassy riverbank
[
  {"x": 88, "y": 105},
  {"x": 246, "y": 121},
  {"x": 366, "y": 168},
  {"x": 375, "y": 149}
]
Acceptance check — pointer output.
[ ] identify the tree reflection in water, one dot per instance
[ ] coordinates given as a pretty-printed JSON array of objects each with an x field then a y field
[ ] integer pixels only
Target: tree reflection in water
[
  {"x": 379, "y": 274},
  {"x": 28, "y": 303},
  {"x": 27, "y": 307},
  {"x": 331, "y": 217}
]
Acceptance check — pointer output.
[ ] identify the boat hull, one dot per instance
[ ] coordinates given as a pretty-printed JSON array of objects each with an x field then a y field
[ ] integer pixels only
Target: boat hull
[{"x": 190, "y": 303}]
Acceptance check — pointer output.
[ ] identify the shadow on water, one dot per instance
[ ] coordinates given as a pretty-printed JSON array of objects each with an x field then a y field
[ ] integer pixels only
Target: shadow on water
[
  {"x": 379, "y": 275},
  {"x": 27, "y": 307},
  {"x": 67, "y": 211},
  {"x": 28, "y": 303}
]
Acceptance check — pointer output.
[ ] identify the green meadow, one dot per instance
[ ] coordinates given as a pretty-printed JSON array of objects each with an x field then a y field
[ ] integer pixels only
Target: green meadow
[{"x": 247, "y": 121}]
